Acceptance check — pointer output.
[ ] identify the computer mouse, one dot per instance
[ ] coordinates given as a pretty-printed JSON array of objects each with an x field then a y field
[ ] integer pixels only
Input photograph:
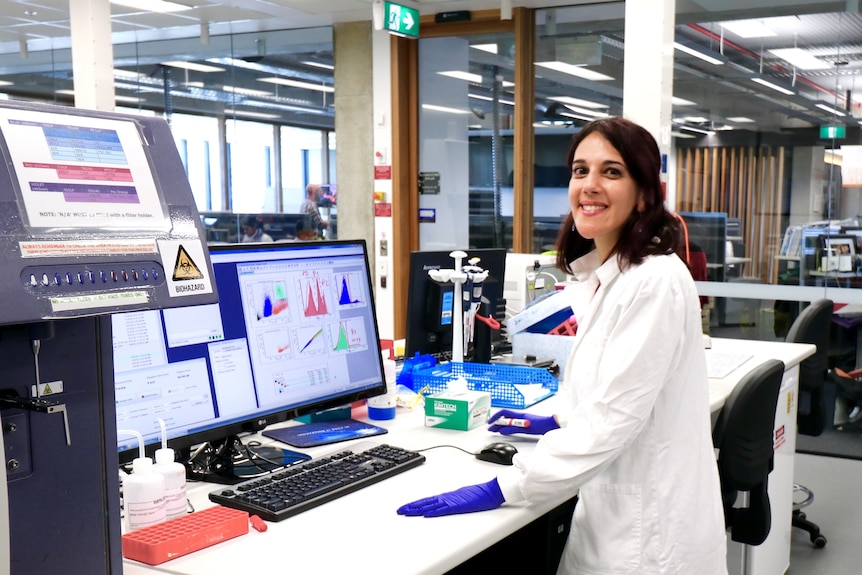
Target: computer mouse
[{"x": 499, "y": 452}]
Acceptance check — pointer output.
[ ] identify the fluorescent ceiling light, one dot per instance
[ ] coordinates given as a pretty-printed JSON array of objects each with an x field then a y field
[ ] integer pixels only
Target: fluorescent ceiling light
[
  {"x": 490, "y": 99},
  {"x": 740, "y": 120},
  {"x": 830, "y": 109},
  {"x": 698, "y": 130},
  {"x": 591, "y": 113},
  {"x": 5, "y": 83},
  {"x": 748, "y": 28},
  {"x": 579, "y": 71},
  {"x": 697, "y": 54},
  {"x": 681, "y": 101},
  {"x": 248, "y": 92},
  {"x": 152, "y": 5},
  {"x": 775, "y": 87},
  {"x": 681, "y": 135},
  {"x": 297, "y": 84},
  {"x": 800, "y": 58},
  {"x": 65, "y": 92},
  {"x": 195, "y": 84},
  {"x": 444, "y": 109},
  {"x": 319, "y": 65},
  {"x": 469, "y": 77},
  {"x": 695, "y": 119},
  {"x": 578, "y": 102},
  {"x": 491, "y": 48},
  {"x": 248, "y": 114},
  {"x": 195, "y": 67},
  {"x": 577, "y": 116},
  {"x": 128, "y": 99}
]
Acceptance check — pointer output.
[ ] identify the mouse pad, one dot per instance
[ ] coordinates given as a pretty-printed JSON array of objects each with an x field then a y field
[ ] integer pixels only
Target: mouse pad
[{"x": 323, "y": 432}]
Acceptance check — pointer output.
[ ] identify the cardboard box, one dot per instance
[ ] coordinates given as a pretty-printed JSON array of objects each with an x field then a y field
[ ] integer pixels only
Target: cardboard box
[{"x": 462, "y": 410}]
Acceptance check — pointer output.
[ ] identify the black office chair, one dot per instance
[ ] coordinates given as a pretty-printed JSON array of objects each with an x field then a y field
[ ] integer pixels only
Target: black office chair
[
  {"x": 743, "y": 435},
  {"x": 811, "y": 326}
]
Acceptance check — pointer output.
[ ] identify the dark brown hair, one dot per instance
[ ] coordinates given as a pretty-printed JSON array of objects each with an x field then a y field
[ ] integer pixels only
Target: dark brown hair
[{"x": 652, "y": 231}]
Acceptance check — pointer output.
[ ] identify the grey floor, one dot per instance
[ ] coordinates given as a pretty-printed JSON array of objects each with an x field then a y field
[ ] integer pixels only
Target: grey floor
[{"x": 837, "y": 509}]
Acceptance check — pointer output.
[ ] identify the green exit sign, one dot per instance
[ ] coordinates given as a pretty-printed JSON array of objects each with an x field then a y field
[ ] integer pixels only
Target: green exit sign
[
  {"x": 401, "y": 20},
  {"x": 832, "y": 132}
]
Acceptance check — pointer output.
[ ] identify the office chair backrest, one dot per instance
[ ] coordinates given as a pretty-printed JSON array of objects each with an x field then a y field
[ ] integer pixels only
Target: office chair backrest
[
  {"x": 812, "y": 326},
  {"x": 743, "y": 435}
]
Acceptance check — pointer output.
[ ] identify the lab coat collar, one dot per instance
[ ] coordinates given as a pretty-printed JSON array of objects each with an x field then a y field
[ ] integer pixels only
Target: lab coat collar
[{"x": 591, "y": 274}]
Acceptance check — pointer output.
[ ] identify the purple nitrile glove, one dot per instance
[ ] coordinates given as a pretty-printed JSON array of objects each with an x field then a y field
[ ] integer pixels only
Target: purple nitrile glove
[
  {"x": 509, "y": 422},
  {"x": 468, "y": 499}
]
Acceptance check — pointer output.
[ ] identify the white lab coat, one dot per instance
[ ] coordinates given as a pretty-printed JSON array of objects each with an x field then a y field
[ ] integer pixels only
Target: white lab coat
[{"x": 636, "y": 440}]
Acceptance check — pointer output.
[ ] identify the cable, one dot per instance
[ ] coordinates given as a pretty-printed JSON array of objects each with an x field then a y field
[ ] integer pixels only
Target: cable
[{"x": 444, "y": 445}]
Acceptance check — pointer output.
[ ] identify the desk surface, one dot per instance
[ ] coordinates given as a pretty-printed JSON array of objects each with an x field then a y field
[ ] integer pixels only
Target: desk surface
[{"x": 361, "y": 533}]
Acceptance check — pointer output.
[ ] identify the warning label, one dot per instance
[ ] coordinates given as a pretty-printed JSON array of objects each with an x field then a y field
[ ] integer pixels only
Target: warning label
[
  {"x": 185, "y": 268},
  {"x": 190, "y": 274}
]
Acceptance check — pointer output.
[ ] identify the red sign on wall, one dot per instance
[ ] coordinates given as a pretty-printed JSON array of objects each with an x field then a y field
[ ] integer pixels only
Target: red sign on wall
[
  {"x": 382, "y": 210},
  {"x": 382, "y": 172}
]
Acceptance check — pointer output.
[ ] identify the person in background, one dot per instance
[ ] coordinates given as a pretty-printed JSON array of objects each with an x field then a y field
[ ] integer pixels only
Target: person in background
[
  {"x": 632, "y": 437},
  {"x": 304, "y": 231},
  {"x": 309, "y": 207},
  {"x": 252, "y": 231}
]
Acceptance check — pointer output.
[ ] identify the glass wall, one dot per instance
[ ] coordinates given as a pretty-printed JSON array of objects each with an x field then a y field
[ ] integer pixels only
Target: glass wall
[{"x": 231, "y": 102}]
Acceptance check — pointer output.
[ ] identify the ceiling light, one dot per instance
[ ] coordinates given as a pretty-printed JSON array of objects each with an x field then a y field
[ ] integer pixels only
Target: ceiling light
[
  {"x": 128, "y": 99},
  {"x": 577, "y": 116},
  {"x": 195, "y": 67},
  {"x": 800, "y": 58},
  {"x": 681, "y": 101},
  {"x": 248, "y": 92},
  {"x": 578, "y": 102},
  {"x": 579, "y": 71},
  {"x": 775, "y": 87},
  {"x": 697, "y": 54},
  {"x": 248, "y": 114},
  {"x": 444, "y": 109},
  {"x": 491, "y": 48},
  {"x": 5, "y": 83},
  {"x": 591, "y": 113},
  {"x": 319, "y": 65},
  {"x": 830, "y": 109},
  {"x": 740, "y": 120},
  {"x": 470, "y": 77},
  {"x": 152, "y": 5},
  {"x": 681, "y": 135},
  {"x": 748, "y": 28},
  {"x": 695, "y": 119},
  {"x": 698, "y": 130},
  {"x": 297, "y": 84},
  {"x": 490, "y": 99}
]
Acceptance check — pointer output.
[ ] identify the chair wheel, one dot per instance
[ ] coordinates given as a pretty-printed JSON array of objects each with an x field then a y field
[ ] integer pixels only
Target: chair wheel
[{"x": 819, "y": 541}]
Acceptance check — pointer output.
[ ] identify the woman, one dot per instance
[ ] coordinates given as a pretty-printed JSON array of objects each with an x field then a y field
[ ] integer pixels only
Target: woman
[{"x": 634, "y": 440}]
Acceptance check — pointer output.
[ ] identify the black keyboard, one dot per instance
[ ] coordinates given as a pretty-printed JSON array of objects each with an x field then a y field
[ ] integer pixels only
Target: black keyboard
[{"x": 306, "y": 485}]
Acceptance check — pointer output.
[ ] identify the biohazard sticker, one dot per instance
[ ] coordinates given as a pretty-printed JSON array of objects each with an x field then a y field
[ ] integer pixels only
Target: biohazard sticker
[{"x": 185, "y": 267}]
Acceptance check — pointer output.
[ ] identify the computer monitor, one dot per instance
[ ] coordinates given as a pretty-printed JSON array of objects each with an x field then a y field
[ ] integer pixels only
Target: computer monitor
[
  {"x": 430, "y": 305},
  {"x": 294, "y": 332}
]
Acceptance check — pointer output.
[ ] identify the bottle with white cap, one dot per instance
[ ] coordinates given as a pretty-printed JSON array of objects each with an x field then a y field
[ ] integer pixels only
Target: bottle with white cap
[
  {"x": 175, "y": 477},
  {"x": 382, "y": 407},
  {"x": 143, "y": 490}
]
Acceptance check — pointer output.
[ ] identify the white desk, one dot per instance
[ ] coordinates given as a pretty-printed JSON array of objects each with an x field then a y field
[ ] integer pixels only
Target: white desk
[{"x": 361, "y": 533}]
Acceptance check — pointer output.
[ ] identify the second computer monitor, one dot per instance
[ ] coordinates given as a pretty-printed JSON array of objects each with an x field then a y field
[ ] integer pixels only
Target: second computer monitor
[{"x": 430, "y": 305}]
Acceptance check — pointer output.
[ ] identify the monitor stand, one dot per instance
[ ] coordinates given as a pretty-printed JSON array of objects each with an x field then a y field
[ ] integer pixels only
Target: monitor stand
[{"x": 228, "y": 461}]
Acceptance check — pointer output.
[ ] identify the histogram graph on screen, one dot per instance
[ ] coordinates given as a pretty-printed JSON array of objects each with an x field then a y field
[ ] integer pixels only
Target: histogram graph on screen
[
  {"x": 314, "y": 294},
  {"x": 347, "y": 335},
  {"x": 349, "y": 291}
]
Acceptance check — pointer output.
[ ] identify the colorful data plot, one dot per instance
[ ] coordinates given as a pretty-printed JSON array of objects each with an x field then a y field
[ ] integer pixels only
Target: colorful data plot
[
  {"x": 270, "y": 299},
  {"x": 349, "y": 291},
  {"x": 314, "y": 296},
  {"x": 273, "y": 344},
  {"x": 310, "y": 341},
  {"x": 348, "y": 335}
]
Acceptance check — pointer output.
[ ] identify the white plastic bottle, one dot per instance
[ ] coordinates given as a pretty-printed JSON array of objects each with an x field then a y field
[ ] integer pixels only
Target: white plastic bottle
[
  {"x": 383, "y": 406},
  {"x": 143, "y": 491},
  {"x": 175, "y": 478}
]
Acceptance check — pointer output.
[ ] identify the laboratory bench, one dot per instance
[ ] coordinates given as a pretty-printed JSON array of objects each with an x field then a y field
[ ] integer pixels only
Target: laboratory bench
[{"x": 361, "y": 533}]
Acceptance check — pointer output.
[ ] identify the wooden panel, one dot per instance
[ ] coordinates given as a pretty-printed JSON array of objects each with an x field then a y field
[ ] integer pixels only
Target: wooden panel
[{"x": 524, "y": 156}]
